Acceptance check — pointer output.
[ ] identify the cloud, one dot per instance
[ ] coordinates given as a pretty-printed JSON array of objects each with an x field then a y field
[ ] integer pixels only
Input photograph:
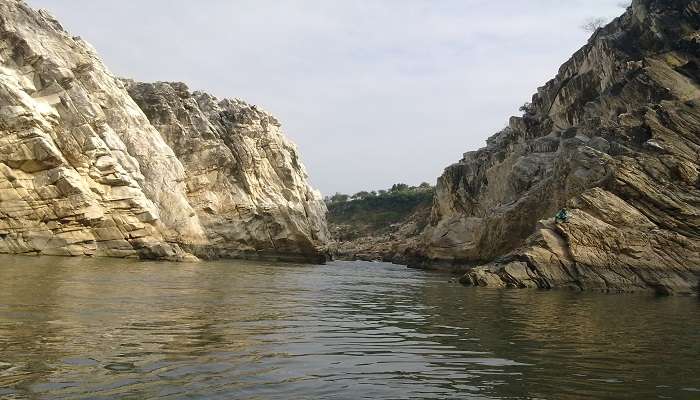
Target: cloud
[{"x": 373, "y": 91}]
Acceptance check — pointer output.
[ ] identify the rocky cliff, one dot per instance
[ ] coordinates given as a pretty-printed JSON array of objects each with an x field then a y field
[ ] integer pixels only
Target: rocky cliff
[
  {"x": 84, "y": 172},
  {"x": 243, "y": 176},
  {"x": 615, "y": 138}
]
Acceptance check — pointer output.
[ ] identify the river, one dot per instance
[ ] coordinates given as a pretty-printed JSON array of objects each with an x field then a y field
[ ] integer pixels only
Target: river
[{"x": 110, "y": 329}]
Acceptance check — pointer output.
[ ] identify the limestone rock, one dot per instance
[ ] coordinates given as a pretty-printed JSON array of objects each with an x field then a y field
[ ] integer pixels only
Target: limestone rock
[
  {"x": 615, "y": 137},
  {"x": 83, "y": 171},
  {"x": 244, "y": 177}
]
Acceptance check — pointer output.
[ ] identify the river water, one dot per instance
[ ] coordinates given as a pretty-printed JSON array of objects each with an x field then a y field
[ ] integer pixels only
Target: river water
[{"x": 112, "y": 329}]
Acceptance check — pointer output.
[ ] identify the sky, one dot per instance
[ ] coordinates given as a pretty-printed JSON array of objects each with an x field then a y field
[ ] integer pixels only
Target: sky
[{"x": 374, "y": 92}]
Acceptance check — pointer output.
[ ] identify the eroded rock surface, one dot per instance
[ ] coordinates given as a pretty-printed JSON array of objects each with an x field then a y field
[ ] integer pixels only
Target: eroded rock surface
[
  {"x": 615, "y": 137},
  {"x": 83, "y": 171},
  {"x": 244, "y": 177}
]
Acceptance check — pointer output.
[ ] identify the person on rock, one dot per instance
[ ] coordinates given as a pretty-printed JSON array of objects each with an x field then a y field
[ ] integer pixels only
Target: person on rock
[{"x": 561, "y": 216}]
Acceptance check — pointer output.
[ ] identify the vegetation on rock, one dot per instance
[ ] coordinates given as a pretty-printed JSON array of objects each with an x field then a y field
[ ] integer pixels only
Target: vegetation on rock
[
  {"x": 370, "y": 225},
  {"x": 376, "y": 212}
]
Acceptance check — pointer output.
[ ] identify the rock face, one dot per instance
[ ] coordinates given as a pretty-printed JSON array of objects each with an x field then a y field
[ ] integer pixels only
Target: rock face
[
  {"x": 83, "y": 172},
  {"x": 244, "y": 177},
  {"x": 614, "y": 138}
]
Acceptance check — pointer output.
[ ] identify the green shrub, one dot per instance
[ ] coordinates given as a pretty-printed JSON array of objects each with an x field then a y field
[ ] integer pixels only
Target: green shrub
[{"x": 378, "y": 212}]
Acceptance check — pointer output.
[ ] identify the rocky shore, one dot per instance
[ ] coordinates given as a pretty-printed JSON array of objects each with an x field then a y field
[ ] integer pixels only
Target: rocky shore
[
  {"x": 378, "y": 225},
  {"x": 393, "y": 244},
  {"x": 95, "y": 165},
  {"x": 615, "y": 139}
]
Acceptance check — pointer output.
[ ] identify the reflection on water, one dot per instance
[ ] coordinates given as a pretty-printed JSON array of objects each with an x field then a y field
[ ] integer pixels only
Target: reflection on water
[{"x": 101, "y": 329}]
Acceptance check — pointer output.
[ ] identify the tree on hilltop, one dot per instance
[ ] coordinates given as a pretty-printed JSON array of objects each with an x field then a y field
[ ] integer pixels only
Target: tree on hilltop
[{"x": 593, "y": 24}]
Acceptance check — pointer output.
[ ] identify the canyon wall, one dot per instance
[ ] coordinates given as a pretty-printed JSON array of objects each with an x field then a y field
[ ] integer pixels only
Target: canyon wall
[
  {"x": 243, "y": 176},
  {"x": 84, "y": 172},
  {"x": 615, "y": 139}
]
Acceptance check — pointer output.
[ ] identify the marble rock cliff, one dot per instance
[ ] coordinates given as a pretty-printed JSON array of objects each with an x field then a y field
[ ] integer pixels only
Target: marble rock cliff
[
  {"x": 84, "y": 172},
  {"x": 615, "y": 139},
  {"x": 243, "y": 176}
]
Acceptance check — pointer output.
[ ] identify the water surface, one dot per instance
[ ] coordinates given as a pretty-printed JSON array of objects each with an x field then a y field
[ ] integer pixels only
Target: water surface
[{"x": 112, "y": 329}]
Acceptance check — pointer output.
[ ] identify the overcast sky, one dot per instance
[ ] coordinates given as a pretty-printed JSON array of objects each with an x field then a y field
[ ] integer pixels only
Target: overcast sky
[{"x": 374, "y": 92}]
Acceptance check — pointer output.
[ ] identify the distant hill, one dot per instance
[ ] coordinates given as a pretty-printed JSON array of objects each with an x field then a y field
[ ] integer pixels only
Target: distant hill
[{"x": 372, "y": 225}]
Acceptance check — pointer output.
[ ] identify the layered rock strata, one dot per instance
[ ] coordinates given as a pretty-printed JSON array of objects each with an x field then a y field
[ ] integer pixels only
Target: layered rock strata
[
  {"x": 615, "y": 138},
  {"x": 83, "y": 171},
  {"x": 243, "y": 176}
]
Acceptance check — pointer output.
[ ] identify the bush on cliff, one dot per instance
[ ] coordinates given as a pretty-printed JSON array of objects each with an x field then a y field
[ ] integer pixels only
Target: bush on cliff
[{"x": 375, "y": 212}]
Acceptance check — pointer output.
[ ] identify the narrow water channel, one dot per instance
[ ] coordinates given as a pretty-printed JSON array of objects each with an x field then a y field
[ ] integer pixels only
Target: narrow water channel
[{"x": 109, "y": 329}]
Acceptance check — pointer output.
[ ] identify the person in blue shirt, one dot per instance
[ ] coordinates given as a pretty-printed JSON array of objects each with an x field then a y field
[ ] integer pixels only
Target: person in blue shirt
[{"x": 561, "y": 216}]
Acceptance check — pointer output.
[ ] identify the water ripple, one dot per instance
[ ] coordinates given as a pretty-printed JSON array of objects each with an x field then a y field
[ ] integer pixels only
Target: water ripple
[{"x": 108, "y": 329}]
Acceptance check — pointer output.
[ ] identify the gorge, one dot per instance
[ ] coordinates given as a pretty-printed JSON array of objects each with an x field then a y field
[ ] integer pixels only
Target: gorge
[
  {"x": 95, "y": 165},
  {"x": 159, "y": 242}
]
